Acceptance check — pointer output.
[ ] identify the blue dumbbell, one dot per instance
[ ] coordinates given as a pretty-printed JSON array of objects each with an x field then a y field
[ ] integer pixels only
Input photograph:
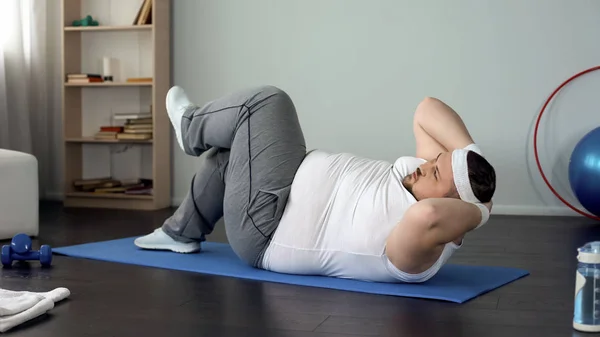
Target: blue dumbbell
[{"x": 20, "y": 250}]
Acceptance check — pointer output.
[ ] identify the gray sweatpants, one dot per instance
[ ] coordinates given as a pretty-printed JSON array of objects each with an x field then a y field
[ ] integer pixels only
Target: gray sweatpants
[{"x": 255, "y": 146}]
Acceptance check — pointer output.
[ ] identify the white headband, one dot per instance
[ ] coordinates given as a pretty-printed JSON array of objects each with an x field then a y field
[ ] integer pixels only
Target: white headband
[{"x": 460, "y": 170}]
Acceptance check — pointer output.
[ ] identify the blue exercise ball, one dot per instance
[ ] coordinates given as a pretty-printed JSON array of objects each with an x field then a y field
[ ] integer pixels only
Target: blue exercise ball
[{"x": 584, "y": 171}]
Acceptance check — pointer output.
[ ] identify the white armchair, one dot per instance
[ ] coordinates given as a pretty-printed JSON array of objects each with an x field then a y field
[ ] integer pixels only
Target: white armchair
[{"x": 19, "y": 195}]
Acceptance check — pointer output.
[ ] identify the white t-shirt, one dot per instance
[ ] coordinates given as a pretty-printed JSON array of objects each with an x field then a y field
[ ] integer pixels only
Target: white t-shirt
[{"x": 339, "y": 214}]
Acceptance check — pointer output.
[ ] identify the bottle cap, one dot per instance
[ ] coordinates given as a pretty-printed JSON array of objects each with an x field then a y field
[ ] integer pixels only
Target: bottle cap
[{"x": 589, "y": 253}]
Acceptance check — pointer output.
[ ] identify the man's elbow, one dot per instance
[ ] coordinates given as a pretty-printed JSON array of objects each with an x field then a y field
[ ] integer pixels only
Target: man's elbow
[
  {"x": 424, "y": 107},
  {"x": 429, "y": 100}
]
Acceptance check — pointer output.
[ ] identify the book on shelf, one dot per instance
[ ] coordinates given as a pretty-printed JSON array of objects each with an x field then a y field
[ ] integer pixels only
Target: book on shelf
[
  {"x": 139, "y": 191},
  {"x": 83, "y": 75},
  {"x": 137, "y": 131},
  {"x": 110, "y": 190},
  {"x": 138, "y": 121},
  {"x": 139, "y": 80},
  {"x": 109, "y": 185},
  {"x": 88, "y": 182},
  {"x": 136, "y": 126},
  {"x": 141, "y": 134},
  {"x": 134, "y": 136},
  {"x": 106, "y": 135},
  {"x": 84, "y": 78},
  {"x": 139, "y": 126},
  {"x": 111, "y": 128},
  {"x": 132, "y": 116},
  {"x": 108, "y": 132},
  {"x": 144, "y": 15}
]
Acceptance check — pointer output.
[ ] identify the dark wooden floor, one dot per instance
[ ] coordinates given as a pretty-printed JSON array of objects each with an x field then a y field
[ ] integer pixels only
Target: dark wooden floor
[{"x": 109, "y": 299}]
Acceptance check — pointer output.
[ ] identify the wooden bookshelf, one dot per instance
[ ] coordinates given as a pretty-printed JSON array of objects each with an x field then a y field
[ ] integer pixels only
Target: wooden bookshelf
[
  {"x": 111, "y": 84},
  {"x": 140, "y": 51},
  {"x": 92, "y": 140},
  {"x": 107, "y": 28},
  {"x": 109, "y": 195}
]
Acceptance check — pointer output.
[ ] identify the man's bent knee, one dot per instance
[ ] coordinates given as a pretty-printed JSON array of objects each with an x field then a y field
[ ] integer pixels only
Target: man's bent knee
[
  {"x": 276, "y": 93},
  {"x": 269, "y": 90}
]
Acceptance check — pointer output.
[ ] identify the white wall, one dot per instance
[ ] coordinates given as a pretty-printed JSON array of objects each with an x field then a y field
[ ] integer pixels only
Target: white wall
[{"x": 356, "y": 70}]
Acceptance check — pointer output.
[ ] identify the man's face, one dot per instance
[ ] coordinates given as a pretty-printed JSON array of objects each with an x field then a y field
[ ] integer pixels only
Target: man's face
[{"x": 433, "y": 179}]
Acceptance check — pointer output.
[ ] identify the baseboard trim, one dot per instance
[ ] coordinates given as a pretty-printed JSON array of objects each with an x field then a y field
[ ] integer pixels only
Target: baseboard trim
[
  {"x": 176, "y": 201},
  {"x": 498, "y": 209},
  {"x": 533, "y": 210},
  {"x": 59, "y": 196},
  {"x": 53, "y": 196}
]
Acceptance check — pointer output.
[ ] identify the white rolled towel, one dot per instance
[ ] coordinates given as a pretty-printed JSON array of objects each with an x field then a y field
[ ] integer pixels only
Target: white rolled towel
[{"x": 17, "y": 307}]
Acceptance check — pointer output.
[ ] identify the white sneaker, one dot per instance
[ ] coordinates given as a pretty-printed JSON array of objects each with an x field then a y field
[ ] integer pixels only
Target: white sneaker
[
  {"x": 177, "y": 103},
  {"x": 159, "y": 240}
]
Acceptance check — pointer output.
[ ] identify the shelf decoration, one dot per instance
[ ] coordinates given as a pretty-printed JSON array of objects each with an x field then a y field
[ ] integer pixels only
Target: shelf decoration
[{"x": 87, "y": 21}]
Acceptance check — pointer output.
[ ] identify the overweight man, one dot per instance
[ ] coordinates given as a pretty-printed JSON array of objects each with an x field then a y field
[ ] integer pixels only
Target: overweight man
[{"x": 318, "y": 213}]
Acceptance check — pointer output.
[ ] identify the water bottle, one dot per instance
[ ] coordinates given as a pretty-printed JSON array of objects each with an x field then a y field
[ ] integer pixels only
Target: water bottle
[{"x": 586, "y": 315}]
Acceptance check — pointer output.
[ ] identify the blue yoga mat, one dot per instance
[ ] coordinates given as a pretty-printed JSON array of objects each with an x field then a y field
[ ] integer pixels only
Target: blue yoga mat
[{"x": 454, "y": 283}]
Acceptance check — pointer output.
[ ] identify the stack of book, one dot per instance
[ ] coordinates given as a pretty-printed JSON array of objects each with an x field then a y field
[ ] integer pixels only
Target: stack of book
[
  {"x": 110, "y": 185},
  {"x": 84, "y": 78},
  {"x": 108, "y": 132},
  {"x": 137, "y": 126}
]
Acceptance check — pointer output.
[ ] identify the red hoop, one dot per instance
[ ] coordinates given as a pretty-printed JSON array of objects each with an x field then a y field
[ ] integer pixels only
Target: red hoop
[{"x": 537, "y": 160}]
